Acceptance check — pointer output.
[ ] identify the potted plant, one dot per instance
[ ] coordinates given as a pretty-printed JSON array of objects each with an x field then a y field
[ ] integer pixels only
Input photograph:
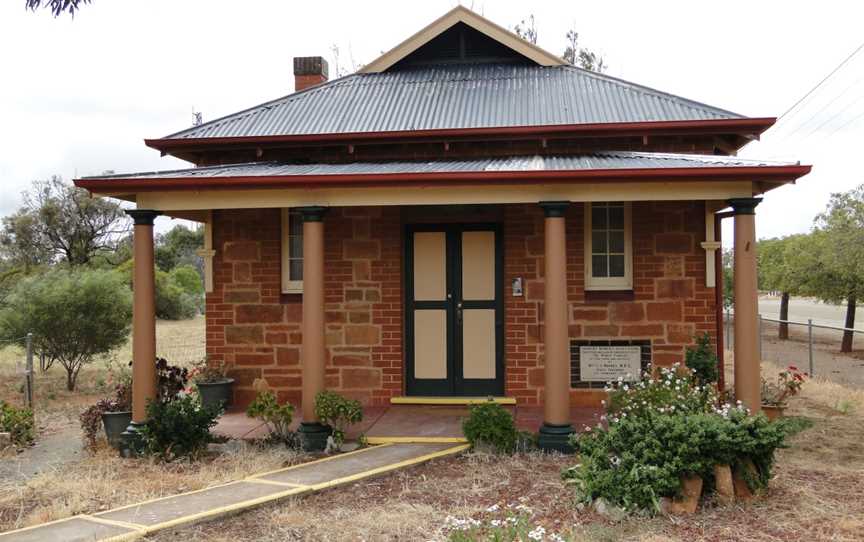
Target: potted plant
[
  {"x": 113, "y": 414},
  {"x": 214, "y": 386},
  {"x": 338, "y": 413},
  {"x": 775, "y": 395}
]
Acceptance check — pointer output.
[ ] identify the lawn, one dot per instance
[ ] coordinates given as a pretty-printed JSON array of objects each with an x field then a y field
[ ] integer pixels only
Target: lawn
[
  {"x": 815, "y": 495},
  {"x": 181, "y": 342}
]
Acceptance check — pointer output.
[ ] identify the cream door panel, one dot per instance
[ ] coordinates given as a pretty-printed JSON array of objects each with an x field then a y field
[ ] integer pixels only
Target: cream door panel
[
  {"x": 430, "y": 261},
  {"x": 430, "y": 344},
  {"x": 478, "y": 343},
  {"x": 478, "y": 265}
]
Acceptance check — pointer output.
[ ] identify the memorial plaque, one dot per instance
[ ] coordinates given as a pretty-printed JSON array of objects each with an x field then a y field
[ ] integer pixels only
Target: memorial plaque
[{"x": 606, "y": 363}]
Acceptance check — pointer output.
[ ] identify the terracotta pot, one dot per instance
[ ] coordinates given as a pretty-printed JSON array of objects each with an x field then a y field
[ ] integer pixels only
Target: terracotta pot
[
  {"x": 688, "y": 502},
  {"x": 739, "y": 482},
  {"x": 773, "y": 412},
  {"x": 723, "y": 484}
]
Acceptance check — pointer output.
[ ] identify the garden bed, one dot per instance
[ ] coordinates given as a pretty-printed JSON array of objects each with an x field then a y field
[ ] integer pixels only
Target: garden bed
[{"x": 813, "y": 495}]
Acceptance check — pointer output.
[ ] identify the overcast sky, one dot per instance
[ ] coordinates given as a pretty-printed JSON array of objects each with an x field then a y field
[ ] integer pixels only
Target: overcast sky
[{"x": 77, "y": 97}]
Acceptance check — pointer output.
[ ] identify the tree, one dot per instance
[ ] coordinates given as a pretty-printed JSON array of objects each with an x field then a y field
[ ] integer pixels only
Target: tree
[
  {"x": 21, "y": 243},
  {"x": 61, "y": 221},
  {"x": 74, "y": 316},
  {"x": 173, "y": 302},
  {"x": 841, "y": 229},
  {"x": 57, "y": 7},
  {"x": 527, "y": 30},
  {"x": 573, "y": 54},
  {"x": 776, "y": 266},
  {"x": 579, "y": 56},
  {"x": 179, "y": 247}
]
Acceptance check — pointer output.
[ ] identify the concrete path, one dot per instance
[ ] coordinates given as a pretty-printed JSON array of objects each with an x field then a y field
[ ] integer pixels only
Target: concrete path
[
  {"x": 49, "y": 452},
  {"x": 137, "y": 520}
]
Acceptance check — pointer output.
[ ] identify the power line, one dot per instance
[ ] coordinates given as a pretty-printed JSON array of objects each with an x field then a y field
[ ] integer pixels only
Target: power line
[
  {"x": 845, "y": 124},
  {"x": 823, "y": 108},
  {"x": 820, "y": 83},
  {"x": 834, "y": 116}
]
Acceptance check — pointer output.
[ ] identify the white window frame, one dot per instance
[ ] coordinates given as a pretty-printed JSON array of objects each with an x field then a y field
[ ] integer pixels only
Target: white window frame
[
  {"x": 610, "y": 283},
  {"x": 289, "y": 285}
]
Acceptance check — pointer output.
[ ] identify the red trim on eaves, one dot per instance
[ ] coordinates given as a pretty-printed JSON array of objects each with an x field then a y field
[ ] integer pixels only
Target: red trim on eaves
[
  {"x": 780, "y": 174},
  {"x": 748, "y": 126}
]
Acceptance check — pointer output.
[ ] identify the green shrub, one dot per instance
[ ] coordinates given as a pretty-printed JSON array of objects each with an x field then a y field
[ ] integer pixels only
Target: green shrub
[
  {"x": 173, "y": 302},
  {"x": 18, "y": 422},
  {"x": 673, "y": 391},
  {"x": 278, "y": 417},
  {"x": 178, "y": 429},
  {"x": 74, "y": 316},
  {"x": 338, "y": 412},
  {"x": 703, "y": 361},
  {"x": 662, "y": 429},
  {"x": 491, "y": 424}
]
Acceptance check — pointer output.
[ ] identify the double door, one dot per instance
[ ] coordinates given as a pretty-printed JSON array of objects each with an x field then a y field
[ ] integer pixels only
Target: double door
[{"x": 454, "y": 310}]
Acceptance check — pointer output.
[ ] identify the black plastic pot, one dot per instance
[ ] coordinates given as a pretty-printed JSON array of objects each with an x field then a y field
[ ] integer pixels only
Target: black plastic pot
[
  {"x": 216, "y": 393},
  {"x": 115, "y": 423}
]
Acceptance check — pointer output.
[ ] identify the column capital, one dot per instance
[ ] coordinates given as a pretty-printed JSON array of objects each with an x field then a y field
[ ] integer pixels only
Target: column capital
[
  {"x": 143, "y": 217},
  {"x": 744, "y": 206},
  {"x": 313, "y": 213},
  {"x": 554, "y": 209}
]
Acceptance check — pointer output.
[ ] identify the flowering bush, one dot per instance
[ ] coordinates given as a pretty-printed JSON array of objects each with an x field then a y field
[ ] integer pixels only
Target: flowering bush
[
  {"x": 675, "y": 390},
  {"x": 788, "y": 384},
  {"x": 508, "y": 523},
  {"x": 660, "y": 429}
]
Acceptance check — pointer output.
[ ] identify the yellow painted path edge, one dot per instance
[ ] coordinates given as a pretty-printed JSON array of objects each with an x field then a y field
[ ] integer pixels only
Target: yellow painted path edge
[
  {"x": 450, "y": 400},
  {"x": 416, "y": 440},
  {"x": 143, "y": 530}
]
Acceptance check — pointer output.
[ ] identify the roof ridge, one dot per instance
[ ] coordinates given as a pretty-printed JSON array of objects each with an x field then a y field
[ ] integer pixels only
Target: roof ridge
[
  {"x": 250, "y": 110},
  {"x": 646, "y": 89}
]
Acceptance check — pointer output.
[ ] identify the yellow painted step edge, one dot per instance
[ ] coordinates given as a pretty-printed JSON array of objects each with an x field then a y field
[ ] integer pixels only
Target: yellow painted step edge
[
  {"x": 416, "y": 440},
  {"x": 450, "y": 400}
]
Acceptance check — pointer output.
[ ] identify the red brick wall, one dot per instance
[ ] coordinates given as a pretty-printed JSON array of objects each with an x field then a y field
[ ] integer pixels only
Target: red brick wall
[
  {"x": 256, "y": 330},
  {"x": 670, "y": 302}
]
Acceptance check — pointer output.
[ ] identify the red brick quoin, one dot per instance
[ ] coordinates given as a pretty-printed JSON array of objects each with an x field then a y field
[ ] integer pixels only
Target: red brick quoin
[{"x": 256, "y": 330}]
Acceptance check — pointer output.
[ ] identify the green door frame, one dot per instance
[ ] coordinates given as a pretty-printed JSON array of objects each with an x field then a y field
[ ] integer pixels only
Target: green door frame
[{"x": 454, "y": 385}]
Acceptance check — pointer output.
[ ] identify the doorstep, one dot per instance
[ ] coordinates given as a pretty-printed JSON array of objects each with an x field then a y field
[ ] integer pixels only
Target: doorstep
[{"x": 450, "y": 400}]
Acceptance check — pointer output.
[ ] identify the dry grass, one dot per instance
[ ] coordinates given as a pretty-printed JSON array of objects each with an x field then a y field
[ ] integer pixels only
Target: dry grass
[
  {"x": 181, "y": 342},
  {"x": 815, "y": 494},
  {"x": 103, "y": 480}
]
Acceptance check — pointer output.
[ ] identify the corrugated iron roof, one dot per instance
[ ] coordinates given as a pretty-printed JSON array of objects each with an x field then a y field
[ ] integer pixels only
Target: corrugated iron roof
[
  {"x": 594, "y": 161},
  {"x": 457, "y": 97}
]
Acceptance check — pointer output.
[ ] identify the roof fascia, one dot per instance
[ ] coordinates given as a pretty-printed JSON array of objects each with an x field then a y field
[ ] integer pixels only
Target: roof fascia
[
  {"x": 775, "y": 174},
  {"x": 475, "y": 21},
  {"x": 744, "y": 127}
]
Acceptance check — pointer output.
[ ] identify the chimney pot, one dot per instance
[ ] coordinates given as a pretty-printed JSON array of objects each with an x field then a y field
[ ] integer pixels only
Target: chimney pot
[{"x": 309, "y": 71}]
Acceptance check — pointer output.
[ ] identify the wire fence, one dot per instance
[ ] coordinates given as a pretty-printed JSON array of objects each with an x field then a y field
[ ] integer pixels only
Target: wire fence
[{"x": 815, "y": 346}]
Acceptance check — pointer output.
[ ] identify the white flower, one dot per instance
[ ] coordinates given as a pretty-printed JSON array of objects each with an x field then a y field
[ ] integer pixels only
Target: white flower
[
  {"x": 493, "y": 508},
  {"x": 537, "y": 533},
  {"x": 496, "y": 523}
]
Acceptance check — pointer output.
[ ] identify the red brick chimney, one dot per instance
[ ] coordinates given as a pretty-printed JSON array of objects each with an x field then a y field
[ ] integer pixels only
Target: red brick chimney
[{"x": 308, "y": 71}]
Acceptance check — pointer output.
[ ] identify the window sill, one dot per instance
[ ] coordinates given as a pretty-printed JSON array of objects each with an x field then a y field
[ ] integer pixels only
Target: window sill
[{"x": 597, "y": 296}]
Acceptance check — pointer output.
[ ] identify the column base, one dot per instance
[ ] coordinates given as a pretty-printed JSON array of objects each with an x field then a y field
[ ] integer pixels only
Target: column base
[
  {"x": 313, "y": 436},
  {"x": 130, "y": 440},
  {"x": 555, "y": 438}
]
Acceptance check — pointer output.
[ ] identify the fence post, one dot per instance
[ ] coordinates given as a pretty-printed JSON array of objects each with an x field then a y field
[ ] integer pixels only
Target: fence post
[
  {"x": 810, "y": 343},
  {"x": 28, "y": 374},
  {"x": 759, "y": 330}
]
